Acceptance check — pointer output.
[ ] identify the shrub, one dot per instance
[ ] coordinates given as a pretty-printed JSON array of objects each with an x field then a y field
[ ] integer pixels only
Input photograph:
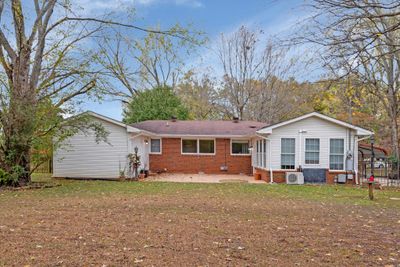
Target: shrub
[{"x": 11, "y": 178}]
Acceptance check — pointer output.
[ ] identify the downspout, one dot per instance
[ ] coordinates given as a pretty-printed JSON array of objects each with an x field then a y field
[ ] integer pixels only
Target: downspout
[
  {"x": 355, "y": 163},
  {"x": 271, "y": 174}
]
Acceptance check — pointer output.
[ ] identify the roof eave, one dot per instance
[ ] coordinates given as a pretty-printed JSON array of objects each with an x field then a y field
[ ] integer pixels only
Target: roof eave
[
  {"x": 360, "y": 131},
  {"x": 363, "y": 132},
  {"x": 198, "y": 135}
]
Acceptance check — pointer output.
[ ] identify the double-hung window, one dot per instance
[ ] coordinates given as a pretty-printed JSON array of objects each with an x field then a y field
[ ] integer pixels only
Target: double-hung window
[
  {"x": 312, "y": 151},
  {"x": 288, "y": 153},
  {"x": 240, "y": 147},
  {"x": 336, "y": 154},
  {"x": 206, "y": 146},
  {"x": 261, "y": 154},
  {"x": 189, "y": 146},
  {"x": 155, "y": 146},
  {"x": 198, "y": 146}
]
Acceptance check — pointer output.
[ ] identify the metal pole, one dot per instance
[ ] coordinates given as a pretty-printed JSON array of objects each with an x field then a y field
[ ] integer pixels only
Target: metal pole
[
  {"x": 371, "y": 181},
  {"x": 372, "y": 156}
]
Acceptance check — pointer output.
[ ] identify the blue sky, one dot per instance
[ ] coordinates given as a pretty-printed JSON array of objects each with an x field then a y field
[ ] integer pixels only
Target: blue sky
[{"x": 210, "y": 16}]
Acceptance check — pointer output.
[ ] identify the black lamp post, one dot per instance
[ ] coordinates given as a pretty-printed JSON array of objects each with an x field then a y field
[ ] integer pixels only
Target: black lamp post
[
  {"x": 372, "y": 178},
  {"x": 372, "y": 139}
]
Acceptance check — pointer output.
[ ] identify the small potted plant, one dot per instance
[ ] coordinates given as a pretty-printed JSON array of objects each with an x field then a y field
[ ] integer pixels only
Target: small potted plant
[{"x": 142, "y": 174}]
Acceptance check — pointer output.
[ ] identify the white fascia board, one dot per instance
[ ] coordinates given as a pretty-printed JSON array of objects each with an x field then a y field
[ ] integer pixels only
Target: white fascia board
[
  {"x": 202, "y": 136},
  {"x": 129, "y": 128}
]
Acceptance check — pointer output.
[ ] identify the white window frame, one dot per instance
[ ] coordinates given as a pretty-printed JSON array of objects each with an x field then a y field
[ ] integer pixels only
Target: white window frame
[
  {"x": 344, "y": 155},
  {"x": 156, "y": 153},
  {"x": 242, "y": 141},
  {"x": 198, "y": 146},
  {"x": 260, "y": 154},
  {"x": 305, "y": 152},
  {"x": 280, "y": 154}
]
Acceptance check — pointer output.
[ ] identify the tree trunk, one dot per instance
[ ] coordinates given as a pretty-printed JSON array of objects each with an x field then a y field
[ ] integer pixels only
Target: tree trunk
[
  {"x": 393, "y": 111},
  {"x": 19, "y": 122},
  {"x": 395, "y": 135}
]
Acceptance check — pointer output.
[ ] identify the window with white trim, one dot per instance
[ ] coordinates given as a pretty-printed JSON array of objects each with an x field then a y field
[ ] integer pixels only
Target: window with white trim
[
  {"x": 261, "y": 153},
  {"x": 312, "y": 151},
  {"x": 206, "y": 146},
  {"x": 336, "y": 154},
  {"x": 198, "y": 146},
  {"x": 288, "y": 153},
  {"x": 264, "y": 153},
  {"x": 189, "y": 146},
  {"x": 240, "y": 147},
  {"x": 155, "y": 145}
]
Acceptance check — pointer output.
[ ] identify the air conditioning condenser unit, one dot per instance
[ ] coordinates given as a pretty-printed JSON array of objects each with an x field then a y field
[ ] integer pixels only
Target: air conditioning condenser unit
[{"x": 294, "y": 178}]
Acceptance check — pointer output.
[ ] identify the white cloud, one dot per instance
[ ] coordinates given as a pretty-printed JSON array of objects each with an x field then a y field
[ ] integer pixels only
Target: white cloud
[
  {"x": 191, "y": 3},
  {"x": 90, "y": 6}
]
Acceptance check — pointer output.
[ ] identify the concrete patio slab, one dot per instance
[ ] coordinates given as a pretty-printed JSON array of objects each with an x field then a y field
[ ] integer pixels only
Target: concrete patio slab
[{"x": 204, "y": 178}]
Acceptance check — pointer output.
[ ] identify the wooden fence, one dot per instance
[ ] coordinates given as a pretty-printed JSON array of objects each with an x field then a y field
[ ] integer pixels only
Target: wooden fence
[{"x": 45, "y": 167}]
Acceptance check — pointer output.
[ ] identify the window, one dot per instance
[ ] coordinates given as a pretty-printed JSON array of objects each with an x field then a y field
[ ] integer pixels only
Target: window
[
  {"x": 264, "y": 153},
  {"x": 288, "y": 153},
  {"x": 189, "y": 146},
  {"x": 261, "y": 153},
  {"x": 336, "y": 154},
  {"x": 155, "y": 145},
  {"x": 206, "y": 146},
  {"x": 240, "y": 147},
  {"x": 198, "y": 146},
  {"x": 312, "y": 151}
]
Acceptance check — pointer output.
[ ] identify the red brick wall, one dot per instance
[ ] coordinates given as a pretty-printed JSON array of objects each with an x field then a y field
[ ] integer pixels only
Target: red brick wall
[
  {"x": 330, "y": 177},
  {"x": 280, "y": 177},
  {"x": 172, "y": 160}
]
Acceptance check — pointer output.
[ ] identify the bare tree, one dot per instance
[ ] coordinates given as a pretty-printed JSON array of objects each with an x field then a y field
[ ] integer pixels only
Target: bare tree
[
  {"x": 257, "y": 76},
  {"x": 154, "y": 61},
  {"x": 242, "y": 68},
  {"x": 362, "y": 38},
  {"x": 45, "y": 65},
  {"x": 277, "y": 93}
]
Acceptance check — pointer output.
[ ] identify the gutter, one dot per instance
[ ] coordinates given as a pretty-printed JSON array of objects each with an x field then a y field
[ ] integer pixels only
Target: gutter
[{"x": 271, "y": 174}]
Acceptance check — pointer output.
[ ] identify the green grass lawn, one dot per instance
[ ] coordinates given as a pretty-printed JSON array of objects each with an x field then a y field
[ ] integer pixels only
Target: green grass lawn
[
  {"x": 388, "y": 197},
  {"x": 113, "y": 223}
]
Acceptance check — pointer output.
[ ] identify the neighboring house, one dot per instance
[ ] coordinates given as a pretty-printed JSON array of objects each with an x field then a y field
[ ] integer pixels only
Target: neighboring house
[{"x": 319, "y": 146}]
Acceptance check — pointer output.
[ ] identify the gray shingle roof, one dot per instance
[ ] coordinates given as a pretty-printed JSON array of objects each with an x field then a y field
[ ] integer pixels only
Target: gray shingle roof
[{"x": 212, "y": 128}]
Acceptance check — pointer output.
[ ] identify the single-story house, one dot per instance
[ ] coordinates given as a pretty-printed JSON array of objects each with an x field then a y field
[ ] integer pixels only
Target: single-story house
[{"x": 319, "y": 148}]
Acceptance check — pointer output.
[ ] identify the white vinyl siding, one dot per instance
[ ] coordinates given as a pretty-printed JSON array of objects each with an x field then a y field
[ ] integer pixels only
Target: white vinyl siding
[
  {"x": 315, "y": 128},
  {"x": 82, "y": 157}
]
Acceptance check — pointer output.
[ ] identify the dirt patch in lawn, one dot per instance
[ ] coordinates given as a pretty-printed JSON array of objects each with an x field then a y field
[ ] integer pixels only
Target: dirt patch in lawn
[{"x": 193, "y": 228}]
